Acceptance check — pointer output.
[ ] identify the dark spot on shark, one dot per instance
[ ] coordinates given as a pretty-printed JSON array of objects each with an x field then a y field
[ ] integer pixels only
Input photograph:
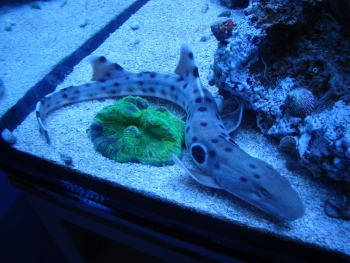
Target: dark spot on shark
[
  {"x": 217, "y": 116},
  {"x": 143, "y": 89},
  {"x": 212, "y": 153},
  {"x": 116, "y": 84},
  {"x": 214, "y": 140},
  {"x": 228, "y": 149},
  {"x": 184, "y": 86},
  {"x": 180, "y": 79},
  {"x": 102, "y": 59},
  {"x": 198, "y": 154},
  {"x": 76, "y": 91},
  {"x": 188, "y": 129},
  {"x": 103, "y": 88},
  {"x": 243, "y": 179},
  {"x": 176, "y": 97},
  {"x": 172, "y": 88},
  {"x": 127, "y": 78},
  {"x": 87, "y": 85},
  {"x": 257, "y": 176},
  {"x": 108, "y": 74},
  {"x": 163, "y": 92},
  {"x": 198, "y": 100},
  {"x": 139, "y": 75},
  {"x": 195, "y": 91},
  {"x": 190, "y": 55},
  {"x": 253, "y": 166},
  {"x": 194, "y": 139},
  {"x": 130, "y": 90},
  {"x": 151, "y": 89},
  {"x": 102, "y": 80},
  {"x": 166, "y": 76},
  {"x": 204, "y": 124},
  {"x": 222, "y": 127},
  {"x": 195, "y": 72},
  {"x": 113, "y": 91},
  {"x": 217, "y": 166},
  {"x": 208, "y": 100},
  {"x": 140, "y": 83},
  {"x": 64, "y": 95},
  {"x": 202, "y": 109},
  {"x": 153, "y": 75}
]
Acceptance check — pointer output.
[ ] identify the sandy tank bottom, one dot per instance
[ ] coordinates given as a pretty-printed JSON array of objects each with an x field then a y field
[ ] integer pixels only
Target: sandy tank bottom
[{"x": 155, "y": 46}]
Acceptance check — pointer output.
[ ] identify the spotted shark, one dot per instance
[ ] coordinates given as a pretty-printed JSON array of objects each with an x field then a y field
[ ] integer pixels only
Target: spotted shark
[{"x": 222, "y": 163}]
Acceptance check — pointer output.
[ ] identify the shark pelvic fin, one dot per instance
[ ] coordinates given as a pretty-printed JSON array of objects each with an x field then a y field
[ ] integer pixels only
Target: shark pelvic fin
[{"x": 233, "y": 120}]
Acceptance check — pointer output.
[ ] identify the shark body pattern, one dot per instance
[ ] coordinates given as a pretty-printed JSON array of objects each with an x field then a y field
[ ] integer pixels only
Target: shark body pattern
[{"x": 222, "y": 163}]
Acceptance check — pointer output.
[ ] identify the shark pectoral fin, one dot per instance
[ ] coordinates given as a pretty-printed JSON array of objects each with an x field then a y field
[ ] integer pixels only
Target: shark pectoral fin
[
  {"x": 197, "y": 175},
  {"x": 203, "y": 178},
  {"x": 233, "y": 120}
]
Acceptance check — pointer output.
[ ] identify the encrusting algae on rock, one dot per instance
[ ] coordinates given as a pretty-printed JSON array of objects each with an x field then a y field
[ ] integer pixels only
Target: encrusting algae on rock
[{"x": 130, "y": 131}]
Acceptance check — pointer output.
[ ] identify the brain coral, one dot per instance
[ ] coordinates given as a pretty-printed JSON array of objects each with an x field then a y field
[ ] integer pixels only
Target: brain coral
[{"x": 130, "y": 131}]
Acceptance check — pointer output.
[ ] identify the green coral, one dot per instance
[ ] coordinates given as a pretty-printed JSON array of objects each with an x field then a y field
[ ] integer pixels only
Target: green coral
[{"x": 130, "y": 131}]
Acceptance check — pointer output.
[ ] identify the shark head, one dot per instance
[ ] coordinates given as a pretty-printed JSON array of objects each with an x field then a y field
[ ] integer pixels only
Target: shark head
[
  {"x": 259, "y": 184},
  {"x": 252, "y": 180}
]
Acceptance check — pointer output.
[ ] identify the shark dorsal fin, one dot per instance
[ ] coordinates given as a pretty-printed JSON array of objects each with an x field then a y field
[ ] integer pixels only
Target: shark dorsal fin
[
  {"x": 233, "y": 120},
  {"x": 197, "y": 175},
  {"x": 187, "y": 67},
  {"x": 104, "y": 69}
]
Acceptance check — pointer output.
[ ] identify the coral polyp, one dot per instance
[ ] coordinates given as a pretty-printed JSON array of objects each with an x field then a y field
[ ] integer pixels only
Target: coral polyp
[
  {"x": 222, "y": 29},
  {"x": 130, "y": 131},
  {"x": 299, "y": 102}
]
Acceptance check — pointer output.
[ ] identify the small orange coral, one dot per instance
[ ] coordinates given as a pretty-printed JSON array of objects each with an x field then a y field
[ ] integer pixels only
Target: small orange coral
[
  {"x": 227, "y": 26},
  {"x": 223, "y": 29}
]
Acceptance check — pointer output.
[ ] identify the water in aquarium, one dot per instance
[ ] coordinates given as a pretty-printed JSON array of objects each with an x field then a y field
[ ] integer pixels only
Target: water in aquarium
[{"x": 235, "y": 109}]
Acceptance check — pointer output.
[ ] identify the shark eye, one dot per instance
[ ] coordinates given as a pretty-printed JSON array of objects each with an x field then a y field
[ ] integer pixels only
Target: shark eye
[{"x": 198, "y": 154}]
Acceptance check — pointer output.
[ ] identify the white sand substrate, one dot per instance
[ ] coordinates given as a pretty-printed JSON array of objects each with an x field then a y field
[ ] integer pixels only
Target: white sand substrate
[
  {"x": 164, "y": 26},
  {"x": 33, "y": 40}
]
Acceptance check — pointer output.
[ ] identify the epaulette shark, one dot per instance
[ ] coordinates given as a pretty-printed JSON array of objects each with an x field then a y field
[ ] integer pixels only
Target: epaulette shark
[{"x": 222, "y": 163}]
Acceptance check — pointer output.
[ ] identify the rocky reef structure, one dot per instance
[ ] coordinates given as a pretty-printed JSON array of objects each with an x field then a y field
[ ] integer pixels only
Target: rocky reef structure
[
  {"x": 131, "y": 131},
  {"x": 290, "y": 63}
]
